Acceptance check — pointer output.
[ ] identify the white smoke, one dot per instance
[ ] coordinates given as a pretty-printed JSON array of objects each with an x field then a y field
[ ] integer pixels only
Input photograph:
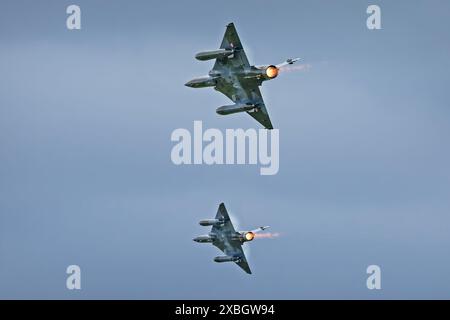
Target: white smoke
[{"x": 296, "y": 67}]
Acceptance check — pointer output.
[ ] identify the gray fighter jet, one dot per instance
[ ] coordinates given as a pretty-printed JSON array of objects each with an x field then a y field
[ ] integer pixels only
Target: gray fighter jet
[
  {"x": 233, "y": 75},
  {"x": 224, "y": 237}
]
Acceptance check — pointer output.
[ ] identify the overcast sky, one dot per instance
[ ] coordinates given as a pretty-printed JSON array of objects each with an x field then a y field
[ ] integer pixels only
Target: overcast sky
[{"x": 86, "y": 176}]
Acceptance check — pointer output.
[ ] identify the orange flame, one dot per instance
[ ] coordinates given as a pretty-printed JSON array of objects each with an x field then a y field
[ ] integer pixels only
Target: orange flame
[
  {"x": 272, "y": 71},
  {"x": 249, "y": 236}
]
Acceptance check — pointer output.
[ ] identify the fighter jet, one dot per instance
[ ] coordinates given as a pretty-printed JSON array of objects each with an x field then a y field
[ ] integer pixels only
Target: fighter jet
[
  {"x": 233, "y": 76},
  {"x": 224, "y": 237}
]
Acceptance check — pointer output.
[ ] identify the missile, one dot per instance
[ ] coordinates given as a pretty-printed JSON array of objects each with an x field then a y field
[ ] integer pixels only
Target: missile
[
  {"x": 226, "y": 259},
  {"x": 214, "y": 54},
  {"x": 211, "y": 222},
  {"x": 204, "y": 239},
  {"x": 234, "y": 108}
]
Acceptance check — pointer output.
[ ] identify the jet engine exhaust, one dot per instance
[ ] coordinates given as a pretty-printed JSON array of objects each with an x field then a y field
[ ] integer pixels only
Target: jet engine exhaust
[
  {"x": 267, "y": 235},
  {"x": 249, "y": 236},
  {"x": 272, "y": 72}
]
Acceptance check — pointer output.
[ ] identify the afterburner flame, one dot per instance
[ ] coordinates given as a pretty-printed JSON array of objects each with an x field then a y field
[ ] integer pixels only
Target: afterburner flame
[
  {"x": 267, "y": 235},
  {"x": 293, "y": 68},
  {"x": 249, "y": 236},
  {"x": 272, "y": 71}
]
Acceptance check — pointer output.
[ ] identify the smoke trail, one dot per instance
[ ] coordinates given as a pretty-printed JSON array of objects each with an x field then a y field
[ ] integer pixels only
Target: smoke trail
[
  {"x": 267, "y": 235},
  {"x": 295, "y": 67}
]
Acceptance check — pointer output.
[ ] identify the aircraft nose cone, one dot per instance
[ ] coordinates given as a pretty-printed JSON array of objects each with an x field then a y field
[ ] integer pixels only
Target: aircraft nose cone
[{"x": 188, "y": 84}]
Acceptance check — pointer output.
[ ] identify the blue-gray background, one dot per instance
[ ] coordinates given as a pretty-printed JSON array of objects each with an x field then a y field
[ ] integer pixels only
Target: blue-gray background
[{"x": 86, "y": 176}]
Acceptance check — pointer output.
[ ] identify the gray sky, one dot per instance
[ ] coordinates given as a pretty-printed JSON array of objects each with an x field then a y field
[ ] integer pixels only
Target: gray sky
[{"x": 86, "y": 175}]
